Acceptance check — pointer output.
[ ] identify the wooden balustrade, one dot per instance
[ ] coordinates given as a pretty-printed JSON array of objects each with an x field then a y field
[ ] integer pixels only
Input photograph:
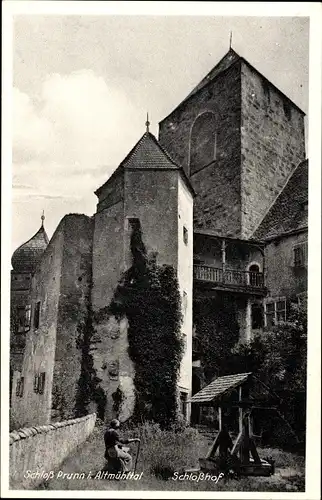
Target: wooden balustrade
[{"x": 228, "y": 276}]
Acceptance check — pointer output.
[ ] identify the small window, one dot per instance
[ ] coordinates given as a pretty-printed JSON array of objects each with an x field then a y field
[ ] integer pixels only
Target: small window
[
  {"x": 300, "y": 254},
  {"x": 20, "y": 319},
  {"x": 20, "y": 387},
  {"x": 23, "y": 319},
  {"x": 27, "y": 317},
  {"x": 36, "y": 383},
  {"x": 275, "y": 312},
  {"x": 185, "y": 235},
  {"x": 37, "y": 315},
  {"x": 39, "y": 382},
  {"x": 133, "y": 223}
]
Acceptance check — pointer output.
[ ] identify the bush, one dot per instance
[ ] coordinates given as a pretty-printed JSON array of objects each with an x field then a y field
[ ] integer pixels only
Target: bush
[{"x": 164, "y": 452}]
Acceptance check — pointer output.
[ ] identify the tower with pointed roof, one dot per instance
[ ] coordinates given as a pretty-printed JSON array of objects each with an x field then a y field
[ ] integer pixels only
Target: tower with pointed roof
[
  {"x": 221, "y": 197},
  {"x": 239, "y": 138},
  {"x": 25, "y": 260},
  {"x": 148, "y": 188}
]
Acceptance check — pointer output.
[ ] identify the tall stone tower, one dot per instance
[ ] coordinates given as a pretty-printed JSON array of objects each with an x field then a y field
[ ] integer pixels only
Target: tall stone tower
[
  {"x": 239, "y": 139},
  {"x": 24, "y": 262},
  {"x": 148, "y": 188}
]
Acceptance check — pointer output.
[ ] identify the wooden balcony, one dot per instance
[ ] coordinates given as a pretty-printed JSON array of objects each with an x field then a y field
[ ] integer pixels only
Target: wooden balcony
[{"x": 229, "y": 279}]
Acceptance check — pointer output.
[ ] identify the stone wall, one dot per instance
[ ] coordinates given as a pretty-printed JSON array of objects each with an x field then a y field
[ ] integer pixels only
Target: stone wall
[
  {"x": 217, "y": 204},
  {"x": 61, "y": 286},
  {"x": 258, "y": 141},
  {"x": 108, "y": 253},
  {"x": 108, "y": 265},
  {"x": 282, "y": 278},
  {"x": 111, "y": 192},
  {"x": 42, "y": 449},
  {"x": 74, "y": 299},
  {"x": 152, "y": 197},
  {"x": 32, "y": 408},
  {"x": 272, "y": 145}
]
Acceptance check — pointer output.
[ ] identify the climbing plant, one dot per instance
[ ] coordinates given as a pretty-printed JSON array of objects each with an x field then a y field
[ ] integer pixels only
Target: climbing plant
[
  {"x": 88, "y": 388},
  {"x": 218, "y": 332},
  {"x": 148, "y": 296}
]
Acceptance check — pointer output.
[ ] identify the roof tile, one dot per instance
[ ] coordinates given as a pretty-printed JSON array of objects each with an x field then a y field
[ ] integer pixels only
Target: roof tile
[
  {"x": 148, "y": 153},
  {"x": 28, "y": 255},
  {"x": 288, "y": 212},
  {"x": 218, "y": 387}
]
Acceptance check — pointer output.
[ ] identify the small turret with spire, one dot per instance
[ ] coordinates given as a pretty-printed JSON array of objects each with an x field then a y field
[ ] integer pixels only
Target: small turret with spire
[
  {"x": 147, "y": 123},
  {"x": 28, "y": 255}
]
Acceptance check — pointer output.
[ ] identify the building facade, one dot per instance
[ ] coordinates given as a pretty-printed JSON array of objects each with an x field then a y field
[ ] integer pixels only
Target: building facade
[{"x": 221, "y": 197}]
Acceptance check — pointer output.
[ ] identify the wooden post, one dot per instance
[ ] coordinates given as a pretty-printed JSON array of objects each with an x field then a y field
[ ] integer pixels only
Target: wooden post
[
  {"x": 250, "y": 423},
  {"x": 220, "y": 418},
  {"x": 240, "y": 419},
  {"x": 223, "y": 254},
  {"x": 223, "y": 259}
]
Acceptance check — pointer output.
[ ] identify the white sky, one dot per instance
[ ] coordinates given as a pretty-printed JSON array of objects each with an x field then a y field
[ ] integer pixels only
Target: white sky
[{"x": 83, "y": 84}]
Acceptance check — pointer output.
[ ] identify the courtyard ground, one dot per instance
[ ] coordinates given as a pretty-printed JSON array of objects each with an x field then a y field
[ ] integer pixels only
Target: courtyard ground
[{"x": 173, "y": 451}]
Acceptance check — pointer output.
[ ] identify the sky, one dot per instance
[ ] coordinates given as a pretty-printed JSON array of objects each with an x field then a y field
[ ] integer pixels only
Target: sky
[{"x": 82, "y": 86}]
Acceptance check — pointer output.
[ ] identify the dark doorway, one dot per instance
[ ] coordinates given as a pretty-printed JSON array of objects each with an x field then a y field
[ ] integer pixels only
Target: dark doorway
[{"x": 254, "y": 275}]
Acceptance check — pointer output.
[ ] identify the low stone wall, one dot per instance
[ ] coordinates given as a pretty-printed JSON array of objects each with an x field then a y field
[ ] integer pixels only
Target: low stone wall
[{"x": 35, "y": 451}]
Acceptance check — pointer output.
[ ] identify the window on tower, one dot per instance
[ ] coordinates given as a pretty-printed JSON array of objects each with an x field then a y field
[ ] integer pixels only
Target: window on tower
[
  {"x": 23, "y": 319},
  {"x": 203, "y": 142},
  {"x": 37, "y": 315},
  {"x": 185, "y": 235},
  {"x": 300, "y": 252}
]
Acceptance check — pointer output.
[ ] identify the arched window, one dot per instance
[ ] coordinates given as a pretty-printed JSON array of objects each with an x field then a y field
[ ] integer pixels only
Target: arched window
[
  {"x": 254, "y": 276},
  {"x": 203, "y": 141}
]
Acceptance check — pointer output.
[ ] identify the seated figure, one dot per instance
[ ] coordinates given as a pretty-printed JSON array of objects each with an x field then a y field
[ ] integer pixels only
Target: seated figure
[{"x": 117, "y": 456}]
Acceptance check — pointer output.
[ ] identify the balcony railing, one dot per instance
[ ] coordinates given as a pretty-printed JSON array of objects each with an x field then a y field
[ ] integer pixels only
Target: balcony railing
[{"x": 228, "y": 277}]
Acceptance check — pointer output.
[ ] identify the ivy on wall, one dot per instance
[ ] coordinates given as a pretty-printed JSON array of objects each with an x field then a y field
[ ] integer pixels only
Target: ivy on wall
[
  {"x": 148, "y": 296},
  {"x": 217, "y": 329},
  {"x": 88, "y": 388}
]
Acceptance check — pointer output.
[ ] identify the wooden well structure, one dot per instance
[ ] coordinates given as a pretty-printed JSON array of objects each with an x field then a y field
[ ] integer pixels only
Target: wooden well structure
[{"x": 241, "y": 456}]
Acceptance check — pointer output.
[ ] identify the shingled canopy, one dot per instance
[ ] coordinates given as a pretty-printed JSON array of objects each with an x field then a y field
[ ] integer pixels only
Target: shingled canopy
[
  {"x": 219, "y": 387},
  {"x": 243, "y": 450}
]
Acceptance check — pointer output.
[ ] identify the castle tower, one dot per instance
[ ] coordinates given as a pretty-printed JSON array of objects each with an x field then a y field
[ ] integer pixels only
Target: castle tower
[
  {"x": 24, "y": 262},
  {"x": 46, "y": 385},
  {"x": 239, "y": 139},
  {"x": 150, "y": 189}
]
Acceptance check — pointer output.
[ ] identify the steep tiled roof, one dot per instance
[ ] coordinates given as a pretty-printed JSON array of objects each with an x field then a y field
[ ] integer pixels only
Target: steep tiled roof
[
  {"x": 28, "y": 255},
  {"x": 149, "y": 154},
  {"x": 218, "y": 387},
  {"x": 289, "y": 211}
]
